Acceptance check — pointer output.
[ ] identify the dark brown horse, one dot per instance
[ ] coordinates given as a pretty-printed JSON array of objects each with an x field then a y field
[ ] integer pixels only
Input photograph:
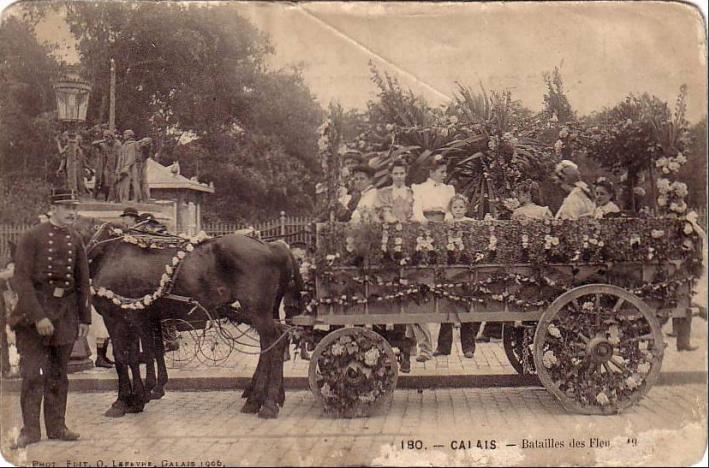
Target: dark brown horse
[{"x": 217, "y": 273}]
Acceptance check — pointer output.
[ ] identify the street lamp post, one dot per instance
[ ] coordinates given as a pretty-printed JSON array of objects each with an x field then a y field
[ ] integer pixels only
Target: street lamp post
[{"x": 72, "y": 95}]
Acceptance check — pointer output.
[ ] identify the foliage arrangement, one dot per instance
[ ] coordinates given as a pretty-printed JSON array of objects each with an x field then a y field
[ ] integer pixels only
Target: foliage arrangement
[
  {"x": 372, "y": 263},
  {"x": 354, "y": 374},
  {"x": 613, "y": 380}
]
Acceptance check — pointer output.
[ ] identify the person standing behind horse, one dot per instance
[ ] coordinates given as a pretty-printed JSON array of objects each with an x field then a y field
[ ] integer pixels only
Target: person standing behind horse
[
  {"x": 53, "y": 308},
  {"x": 432, "y": 197}
]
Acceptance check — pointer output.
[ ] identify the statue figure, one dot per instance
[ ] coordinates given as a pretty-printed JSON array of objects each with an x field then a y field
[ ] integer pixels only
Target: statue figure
[
  {"x": 107, "y": 151},
  {"x": 145, "y": 146},
  {"x": 72, "y": 164}
]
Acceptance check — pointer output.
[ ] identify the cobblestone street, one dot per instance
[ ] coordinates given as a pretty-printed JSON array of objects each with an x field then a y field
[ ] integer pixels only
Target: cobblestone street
[
  {"x": 207, "y": 427},
  {"x": 202, "y": 427}
]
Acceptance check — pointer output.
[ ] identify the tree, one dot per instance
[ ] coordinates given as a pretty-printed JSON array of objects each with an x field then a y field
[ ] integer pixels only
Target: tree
[
  {"x": 555, "y": 101},
  {"x": 27, "y": 71},
  {"x": 186, "y": 69}
]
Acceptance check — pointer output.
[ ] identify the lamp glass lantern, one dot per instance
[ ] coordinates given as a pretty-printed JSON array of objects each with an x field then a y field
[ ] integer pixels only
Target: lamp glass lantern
[{"x": 72, "y": 95}]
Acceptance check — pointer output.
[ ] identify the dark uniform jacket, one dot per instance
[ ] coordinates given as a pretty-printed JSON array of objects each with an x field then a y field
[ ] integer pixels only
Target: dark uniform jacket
[{"x": 52, "y": 280}]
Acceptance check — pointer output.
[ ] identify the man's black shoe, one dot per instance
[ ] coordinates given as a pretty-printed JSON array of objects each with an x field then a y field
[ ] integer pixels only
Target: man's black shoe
[
  {"x": 24, "y": 440},
  {"x": 64, "y": 434},
  {"x": 440, "y": 353},
  {"x": 687, "y": 348},
  {"x": 468, "y": 354}
]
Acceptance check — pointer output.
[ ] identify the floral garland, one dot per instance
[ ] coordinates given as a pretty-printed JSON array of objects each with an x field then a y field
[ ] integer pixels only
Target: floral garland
[
  {"x": 538, "y": 244},
  {"x": 167, "y": 279}
]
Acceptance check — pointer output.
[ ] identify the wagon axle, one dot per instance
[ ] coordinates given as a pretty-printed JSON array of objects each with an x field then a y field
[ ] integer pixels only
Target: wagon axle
[{"x": 599, "y": 350}]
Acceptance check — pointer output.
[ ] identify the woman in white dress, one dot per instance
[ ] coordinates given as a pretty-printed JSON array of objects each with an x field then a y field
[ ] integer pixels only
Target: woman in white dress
[
  {"x": 431, "y": 198},
  {"x": 579, "y": 202}
]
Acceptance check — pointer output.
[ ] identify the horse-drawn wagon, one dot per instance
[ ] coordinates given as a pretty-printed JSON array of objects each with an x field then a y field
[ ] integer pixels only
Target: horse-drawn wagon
[{"x": 582, "y": 302}]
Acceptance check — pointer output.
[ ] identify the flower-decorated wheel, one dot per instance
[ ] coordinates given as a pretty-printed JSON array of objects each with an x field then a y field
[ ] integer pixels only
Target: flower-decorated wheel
[
  {"x": 518, "y": 346},
  {"x": 353, "y": 372},
  {"x": 180, "y": 341},
  {"x": 598, "y": 349}
]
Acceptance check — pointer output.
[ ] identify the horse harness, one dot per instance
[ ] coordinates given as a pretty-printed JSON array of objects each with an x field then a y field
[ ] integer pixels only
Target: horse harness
[{"x": 95, "y": 241}]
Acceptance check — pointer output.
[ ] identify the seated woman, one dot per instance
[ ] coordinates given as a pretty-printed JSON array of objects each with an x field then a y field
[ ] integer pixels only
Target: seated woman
[
  {"x": 395, "y": 202},
  {"x": 604, "y": 194},
  {"x": 431, "y": 198},
  {"x": 362, "y": 182},
  {"x": 528, "y": 193},
  {"x": 458, "y": 206},
  {"x": 579, "y": 202}
]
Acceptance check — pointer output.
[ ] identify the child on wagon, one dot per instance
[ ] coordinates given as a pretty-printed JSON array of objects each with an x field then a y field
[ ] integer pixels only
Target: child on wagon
[
  {"x": 458, "y": 206},
  {"x": 528, "y": 193},
  {"x": 604, "y": 196}
]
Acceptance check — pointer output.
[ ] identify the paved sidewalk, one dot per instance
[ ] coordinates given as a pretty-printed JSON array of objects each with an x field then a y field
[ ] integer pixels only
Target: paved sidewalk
[
  {"x": 489, "y": 366},
  {"x": 667, "y": 428}
]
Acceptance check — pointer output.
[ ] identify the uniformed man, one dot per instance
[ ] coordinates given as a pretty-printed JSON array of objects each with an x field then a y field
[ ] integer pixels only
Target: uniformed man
[{"x": 52, "y": 283}]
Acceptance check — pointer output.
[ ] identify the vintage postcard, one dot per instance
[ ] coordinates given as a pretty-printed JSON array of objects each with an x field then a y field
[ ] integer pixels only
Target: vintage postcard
[{"x": 353, "y": 234}]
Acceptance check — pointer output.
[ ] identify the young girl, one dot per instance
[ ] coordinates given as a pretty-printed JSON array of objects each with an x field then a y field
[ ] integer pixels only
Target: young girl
[
  {"x": 604, "y": 195},
  {"x": 526, "y": 192},
  {"x": 458, "y": 206}
]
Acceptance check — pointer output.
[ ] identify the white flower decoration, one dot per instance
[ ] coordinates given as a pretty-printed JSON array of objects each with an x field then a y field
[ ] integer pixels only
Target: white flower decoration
[
  {"x": 549, "y": 359},
  {"x": 554, "y": 331},
  {"x": 602, "y": 399},
  {"x": 372, "y": 356}
]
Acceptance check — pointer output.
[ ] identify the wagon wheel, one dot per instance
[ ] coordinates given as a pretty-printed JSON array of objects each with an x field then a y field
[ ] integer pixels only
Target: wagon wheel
[
  {"x": 353, "y": 372},
  {"x": 517, "y": 343},
  {"x": 216, "y": 344},
  {"x": 598, "y": 349},
  {"x": 181, "y": 342}
]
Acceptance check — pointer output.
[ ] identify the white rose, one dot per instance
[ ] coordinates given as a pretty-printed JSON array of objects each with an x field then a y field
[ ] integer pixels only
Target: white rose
[
  {"x": 662, "y": 200},
  {"x": 662, "y": 162}
]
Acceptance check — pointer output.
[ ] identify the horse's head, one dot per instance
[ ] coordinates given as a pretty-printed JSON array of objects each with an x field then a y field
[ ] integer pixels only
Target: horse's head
[{"x": 95, "y": 233}]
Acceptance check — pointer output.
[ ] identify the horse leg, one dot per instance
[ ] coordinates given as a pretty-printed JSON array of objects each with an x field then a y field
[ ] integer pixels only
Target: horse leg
[
  {"x": 137, "y": 398},
  {"x": 273, "y": 362},
  {"x": 147, "y": 343},
  {"x": 119, "y": 335},
  {"x": 159, "y": 348},
  {"x": 118, "y": 408},
  {"x": 255, "y": 391}
]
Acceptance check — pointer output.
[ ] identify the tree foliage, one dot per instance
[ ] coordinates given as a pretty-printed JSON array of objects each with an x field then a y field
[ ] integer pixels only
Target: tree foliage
[
  {"x": 199, "y": 71},
  {"x": 27, "y": 71},
  {"x": 555, "y": 102}
]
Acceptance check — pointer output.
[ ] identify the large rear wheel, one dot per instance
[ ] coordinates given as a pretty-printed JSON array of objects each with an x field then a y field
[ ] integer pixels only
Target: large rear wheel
[{"x": 598, "y": 349}]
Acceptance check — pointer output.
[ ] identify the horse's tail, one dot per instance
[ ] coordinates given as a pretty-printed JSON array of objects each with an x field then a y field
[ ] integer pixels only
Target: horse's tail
[{"x": 292, "y": 283}]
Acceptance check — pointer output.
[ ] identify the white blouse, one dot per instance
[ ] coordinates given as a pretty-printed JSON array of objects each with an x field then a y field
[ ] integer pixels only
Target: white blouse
[
  {"x": 577, "y": 205},
  {"x": 431, "y": 196},
  {"x": 366, "y": 204}
]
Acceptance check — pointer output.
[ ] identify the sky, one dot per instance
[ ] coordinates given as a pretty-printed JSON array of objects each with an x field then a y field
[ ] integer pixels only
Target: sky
[{"x": 605, "y": 50}]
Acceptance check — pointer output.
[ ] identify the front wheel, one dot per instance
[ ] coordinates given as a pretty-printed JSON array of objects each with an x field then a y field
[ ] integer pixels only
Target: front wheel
[
  {"x": 598, "y": 349},
  {"x": 353, "y": 372}
]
